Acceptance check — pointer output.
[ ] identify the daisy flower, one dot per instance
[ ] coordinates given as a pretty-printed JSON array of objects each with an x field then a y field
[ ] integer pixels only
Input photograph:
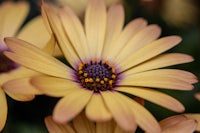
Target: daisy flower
[
  {"x": 185, "y": 123},
  {"x": 108, "y": 63},
  {"x": 80, "y": 124},
  {"x": 79, "y": 6},
  {"x": 12, "y": 16}
]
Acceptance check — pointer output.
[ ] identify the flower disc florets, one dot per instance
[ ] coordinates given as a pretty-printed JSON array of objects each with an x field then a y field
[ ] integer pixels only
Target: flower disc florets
[{"x": 97, "y": 75}]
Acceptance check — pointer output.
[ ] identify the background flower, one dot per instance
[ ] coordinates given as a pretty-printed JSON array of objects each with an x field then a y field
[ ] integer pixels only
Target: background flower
[{"x": 12, "y": 18}]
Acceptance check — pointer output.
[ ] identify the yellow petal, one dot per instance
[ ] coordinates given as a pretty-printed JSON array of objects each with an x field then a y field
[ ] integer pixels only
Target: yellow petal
[
  {"x": 32, "y": 57},
  {"x": 96, "y": 109},
  {"x": 142, "y": 117},
  {"x": 71, "y": 105},
  {"x": 187, "y": 126},
  {"x": 115, "y": 21},
  {"x": 4, "y": 109},
  {"x": 38, "y": 36},
  {"x": 121, "y": 113},
  {"x": 57, "y": 28},
  {"x": 54, "y": 127},
  {"x": 162, "y": 78},
  {"x": 149, "y": 51},
  {"x": 52, "y": 86},
  {"x": 128, "y": 32},
  {"x": 105, "y": 127},
  {"x": 142, "y": 38},
  {"x": 20, "y": 72},
  {"x": 155, "y": 97},
  {"x": 20, "y": 86},
  {"x": 95, "y": 26},
  {"x": 171, "y": 121},
  {"x": 160, "y": 61},
  {"x": 12, "y": 17},
  {"x": 75, "y": 32},
  {"x": 83, "y": 125},
  {"x": 120, "y": 130},
  {"x": 21, "y": 97},
  {"x": 194, "y": 117}
]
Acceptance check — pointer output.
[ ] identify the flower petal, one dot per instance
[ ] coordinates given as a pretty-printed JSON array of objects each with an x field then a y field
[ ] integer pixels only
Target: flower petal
[
  {"x": 119, "y": 110},
  {"x": 95, "y": 26},
  {"x": 4, "y": 109},
  {"x": 160, "y": 61},
  {"x": 21, "y": 97},
  {"x": 83, "y": 125},
  {"x": 105, "y": 127},
  {"x": 142, "y": 117},
  {"x": 128, "y": 32},
  {"x": 29, "y": 32},
  {"x": 162, "y": 78},
  {"x": 54, "y": 127},
  {"x": 120, "y": 130},
  {"x": 194, "y": 117},
  {"x": 20, "y": 86},
  {"x": 149, "y": 51},
  {"x": 187, "y": 126},
  {"x": 52, "y": 86},
  {"x": 142, "y": 38},
  {"x": 19, "y": 72},
  {"x": 96, "y": 109},
  {"x": 115, "y": 21},
  {"x": 155, "y": 97},
  {"x": 27, "y": 55},
  {"x": 57, "y": 28},
  {"x": 171, "y": 121},
  {"x": 74, "y": 30},
  {"x": 71, "y": 105},
  {"x": 12, "y": 17}
]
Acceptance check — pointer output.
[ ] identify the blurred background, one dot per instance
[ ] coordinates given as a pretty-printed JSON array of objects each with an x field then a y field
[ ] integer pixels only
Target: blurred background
[{"x": 175, "y": 17}]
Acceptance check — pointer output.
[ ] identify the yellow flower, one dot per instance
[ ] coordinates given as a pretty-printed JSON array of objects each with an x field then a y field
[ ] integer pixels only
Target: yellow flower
[
  {"x": 12, "y": 16},
  {"x": 79, "y": 6},
  {"x": 80, "y": 124},
  {"x": 185, "y": 123},
  {"x": 108, "y": 61}
]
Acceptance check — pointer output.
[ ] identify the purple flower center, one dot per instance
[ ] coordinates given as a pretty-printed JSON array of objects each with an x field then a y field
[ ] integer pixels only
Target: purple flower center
[
  {"x": 6, "y": 64},
  {"x": 97, "y": 75}
]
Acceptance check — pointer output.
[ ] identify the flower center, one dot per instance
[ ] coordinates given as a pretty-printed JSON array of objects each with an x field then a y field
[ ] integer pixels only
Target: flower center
[
  {"x": 97, "y": 75},
  {"x": 6, "y": 64}
]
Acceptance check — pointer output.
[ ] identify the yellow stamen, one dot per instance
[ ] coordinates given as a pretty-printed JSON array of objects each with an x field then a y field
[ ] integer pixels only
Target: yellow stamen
[
  {"x": 113, "y": 76},
  {"x": 110, "y": 82},
  {"x": 97, "y": 79},
  {"x": 80, "y": 72},
  {"x": 86, "y": 80},
  {"x": 102, "y": 82},
  {"x": 85, "y": 74},
  {"x": 105, "y": 79},
  {"x": 90, "y": 80}
]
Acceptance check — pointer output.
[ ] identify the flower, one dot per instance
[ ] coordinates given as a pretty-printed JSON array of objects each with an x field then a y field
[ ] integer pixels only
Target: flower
[
  {"x": 107, "y": 63},
  {"x": 80, "y": 124},
  {"x": 12, "y": 16},
  {"x": 179, "y": 13},
  {"x": 184, "y": 123},
  {"x": 79, "y": 7}
]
